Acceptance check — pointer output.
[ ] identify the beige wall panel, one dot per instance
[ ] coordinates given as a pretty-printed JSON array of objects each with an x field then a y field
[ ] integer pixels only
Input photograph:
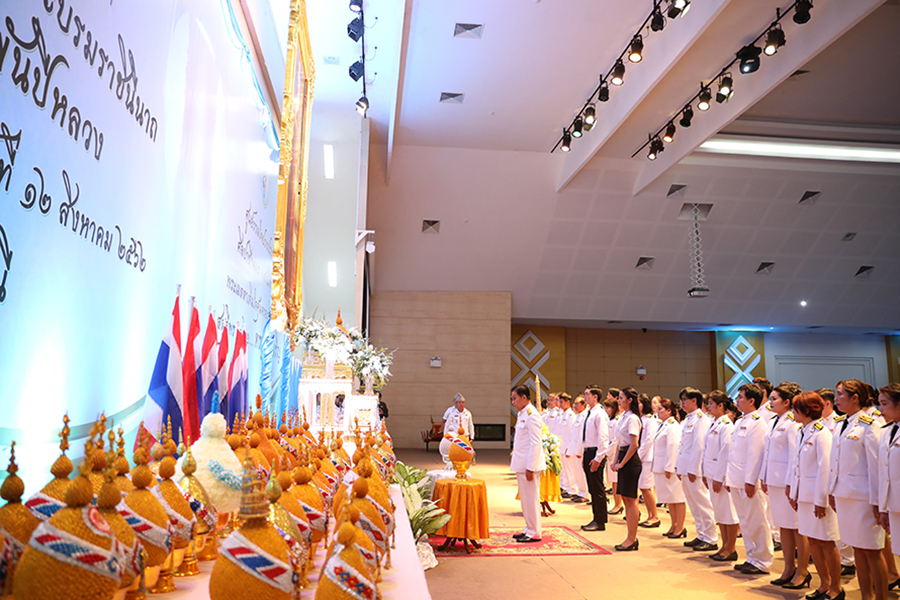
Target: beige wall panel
[{"x": 470, "y": 331}]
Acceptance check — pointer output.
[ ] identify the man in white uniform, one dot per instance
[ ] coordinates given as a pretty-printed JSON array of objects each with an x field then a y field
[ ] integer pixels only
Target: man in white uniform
[
  {"x": 748, "y": 442},
  {"x": 458, "y": 416},
  {"x": 564, "y": 430},
  {"x": 528, "y": 462},
  {"x": 574, "y": 451},
  {"x": 688, "y": 467}
]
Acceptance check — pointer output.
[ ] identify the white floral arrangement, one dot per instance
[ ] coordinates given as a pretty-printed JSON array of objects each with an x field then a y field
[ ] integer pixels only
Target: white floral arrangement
[
  {"x": 550, "y": 444},
  {"x": 348, "y": 347}
]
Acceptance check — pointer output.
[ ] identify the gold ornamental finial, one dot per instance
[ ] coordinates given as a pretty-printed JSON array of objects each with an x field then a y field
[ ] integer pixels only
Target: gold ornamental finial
[
  {"x": 189, "y": 464},
  {"x": 64, "y": 434}
]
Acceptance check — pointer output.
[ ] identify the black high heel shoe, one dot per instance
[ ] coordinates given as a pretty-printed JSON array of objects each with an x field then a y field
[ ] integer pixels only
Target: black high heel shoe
[
  {"x": 896, "y": 584},
  {"x": 816, "y": 595},
  {"x": 628, "y": 548},
  {"x": 675, "y": 536},
  {"x": 618, "y": 511},
  {"x": 783, "y": 580},
  {"x": 797, "y": 586},
  {"x": 840, "y": 596}
]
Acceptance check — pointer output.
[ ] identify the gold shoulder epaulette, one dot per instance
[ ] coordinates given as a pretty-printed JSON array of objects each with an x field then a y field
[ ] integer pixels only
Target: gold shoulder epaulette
[
  {"x": 840, "y": 418},
  {"x": 790, "y": 416},
  {"x": 528, "y": 412},
  {"x": 756, "y": 416},
  {"x": 670, "y": 420},
  {"x": 726, "y": 420},
  {"x": 876, "y": 412},
  {"x": 767, "y": 406},
  {"x": 866, "y": 419},
  {"x": 819, "y": 426}
]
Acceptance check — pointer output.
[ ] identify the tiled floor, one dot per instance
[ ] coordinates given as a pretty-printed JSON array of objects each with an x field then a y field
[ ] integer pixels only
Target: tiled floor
[{"x": 661, "y": 570}]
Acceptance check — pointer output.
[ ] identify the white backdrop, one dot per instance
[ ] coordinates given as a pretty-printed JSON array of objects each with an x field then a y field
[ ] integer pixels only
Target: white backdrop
[{"x": 136, "y": 153}]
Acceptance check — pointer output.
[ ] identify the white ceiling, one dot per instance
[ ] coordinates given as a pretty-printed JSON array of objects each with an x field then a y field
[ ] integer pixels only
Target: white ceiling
[{"x": 531, "y": 72}]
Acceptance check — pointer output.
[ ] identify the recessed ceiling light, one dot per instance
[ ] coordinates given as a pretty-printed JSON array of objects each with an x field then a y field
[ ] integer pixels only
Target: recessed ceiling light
[
  {"x": 803, "y": 303},
  {"x": 329, "y": 161}
]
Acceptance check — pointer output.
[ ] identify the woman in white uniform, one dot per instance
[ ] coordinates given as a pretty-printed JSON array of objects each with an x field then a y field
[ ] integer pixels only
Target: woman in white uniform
[
  {"x": 781, "y": 445},
  {"x": 649, "y": 424},
  {"x": 715, "y": 461},
  {"x": 628, "y": 464},
  {"x": 853, "y": 486},
  {"x": 665, "y": 451},
  {"x": 808, "y": 491},
  {"x": 612, "y": 409},
  {"x": 889, "y": 466}
]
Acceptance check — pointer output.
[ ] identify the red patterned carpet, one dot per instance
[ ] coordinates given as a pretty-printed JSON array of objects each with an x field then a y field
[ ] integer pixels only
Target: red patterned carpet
[{"x": 555, "y": 541}]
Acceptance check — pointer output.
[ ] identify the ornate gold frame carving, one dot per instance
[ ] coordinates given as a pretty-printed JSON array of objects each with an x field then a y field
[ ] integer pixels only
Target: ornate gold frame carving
[{"x": 293, "y": 182}]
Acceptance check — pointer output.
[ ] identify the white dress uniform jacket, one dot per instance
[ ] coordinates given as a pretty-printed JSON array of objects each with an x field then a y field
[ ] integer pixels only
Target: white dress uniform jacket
[
  {"x": 528, "y": 453},
  {"x": 665, "y": 446},
  {"x": 715, "y": 454},
  {"x": 690, "y": 450},
  {"x": 781, "y": 445},
  {"x": 748, "y": 442},
  {"x": 454, "y": 419},
  {"x": 576, "y": 435},
  {"x": 809, "y": 468},
  {"x": 888, "y": 471},
  {"x": 645, "y": 449},
  {"x": 853, "y": 471}
]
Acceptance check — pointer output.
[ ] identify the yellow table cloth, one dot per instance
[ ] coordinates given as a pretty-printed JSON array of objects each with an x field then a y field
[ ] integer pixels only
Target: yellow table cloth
[{"x": 466, "y": 501}]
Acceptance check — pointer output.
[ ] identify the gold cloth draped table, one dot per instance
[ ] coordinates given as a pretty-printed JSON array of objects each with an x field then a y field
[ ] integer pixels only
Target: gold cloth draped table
[{"x": 466, "y": 501}]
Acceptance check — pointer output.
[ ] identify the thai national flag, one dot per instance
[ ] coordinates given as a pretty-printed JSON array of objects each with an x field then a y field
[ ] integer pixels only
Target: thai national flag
[
  {"x": 237, "y": 400},
  {"x": 166, "y": 382},
  {"x": 245, "y": 373},
  {"x": 222, "y": 375},
  {"x": 189, "y": 373},
  {"x": 207, "y": 359}
]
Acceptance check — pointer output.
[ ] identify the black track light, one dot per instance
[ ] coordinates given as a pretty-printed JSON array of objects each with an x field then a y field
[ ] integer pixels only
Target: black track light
[
  {"x": 749, "y": 57},
  {"x": 774, "y": 40},
  {"x": 603, "y": 94},
  {"x": 669, "y": 135},
  {"x": 362, "y": 105},
  {"x": 678, "y": 8},
  {"x": 590, "y": 117},
  {"x": 705, "y": 97},
  {"x": 355, "y": 29},
  {"x": 725, "y": 88},
  {"x": 657, "y": 21},
  {"x": 356, "y": 5},
  {"x": 356, "y": 70},
  {"x": 566, "y": 144},
  {"x": 686, "y": 116},
  {"x": 637, "y": 48},
  {"x": 618, "y": 73},
  {"x": 656, "y": 147},
  {"x": 801, "y": 12},
  {"x": 577, "y": 127}
]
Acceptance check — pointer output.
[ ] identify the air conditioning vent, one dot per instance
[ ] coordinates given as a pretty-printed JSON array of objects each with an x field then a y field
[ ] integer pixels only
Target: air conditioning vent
[
  {"x": 645, "y": 262},
  {"x": 864, "y": 272},
  {"x": 468, "y": 30},
  {"x": 431, "y": 226},
  {"x": 452, "y": 98},
  {"x": 810, "y": 197},
  {"x": 677, "y": 190},
  {"x": 765, "y": 267},
  {"x": 687, "y": 212}
]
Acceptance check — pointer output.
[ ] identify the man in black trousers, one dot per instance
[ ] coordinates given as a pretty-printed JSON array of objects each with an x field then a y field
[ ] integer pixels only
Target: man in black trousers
[{"x": 596, "y": 442}]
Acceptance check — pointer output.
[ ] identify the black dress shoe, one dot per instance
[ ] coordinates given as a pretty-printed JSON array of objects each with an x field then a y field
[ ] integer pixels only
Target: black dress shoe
[
  {"x": 724, "y": 557},
  {"x": 519, "y": 536},
  {"x": 753, "y": 570},
  {"x": 816, "y": 595},
  {"x": 705, "y": 547},
  {"x": 578, "y": 499},
  {"x": 693, "y": 542},
  {"x": 776, "y": 546},
  {"x": 848, "y": 570},
  {"x": 594, "y": 526},
  {"x": 565, "y": 494},
  {"x": 629, "y": 548},
  {"x": 896, "y": 584},
  {"x": 528, "y": 540},
  {"x": 740, "y": 566}
]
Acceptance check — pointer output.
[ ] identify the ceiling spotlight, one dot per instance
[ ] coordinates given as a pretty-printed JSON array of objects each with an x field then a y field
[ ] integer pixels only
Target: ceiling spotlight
[
  {"x": 362, "y": 105},
  {"x": 686, "y": 116},
  {"x": 678, "y": 8},
  {"x": 656, "y": 146},
  {"x": 725, "y": 89},
  {"x": 774, "y": 40},
  {"x": 356, "y": 70},
  {"x": 356, "y": 5},
  {"x": 618, "y": 73},
  {"x": 801, "y": 12},
  {"x": 749, "y": 57},
  {"x": 657, "y": 21},
  {"x": 637, "y": 47},
  {"x": 355, "y": 29},
  {"x": 577, "y": 126},
  {"x": 590, "y": 116},
  {"x": 566, "y": 142},
  {"x": 603, "y": 94},
  {"x": 705, "y": 96},
  {"x": 669, "y": 135}
]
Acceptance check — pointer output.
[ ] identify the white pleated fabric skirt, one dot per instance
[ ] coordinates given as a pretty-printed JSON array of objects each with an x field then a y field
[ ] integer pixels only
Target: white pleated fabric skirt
[
  {"x": 782, "y": 514},
  {"x": 723, "y": 507},
  {"x": 895, "y": 537},
  {"x": 825, "y": 529},
  {"x": 857, "y": 524},
  {"x": 669, "y": 491},
  {"x": 646, "y": 480}
]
